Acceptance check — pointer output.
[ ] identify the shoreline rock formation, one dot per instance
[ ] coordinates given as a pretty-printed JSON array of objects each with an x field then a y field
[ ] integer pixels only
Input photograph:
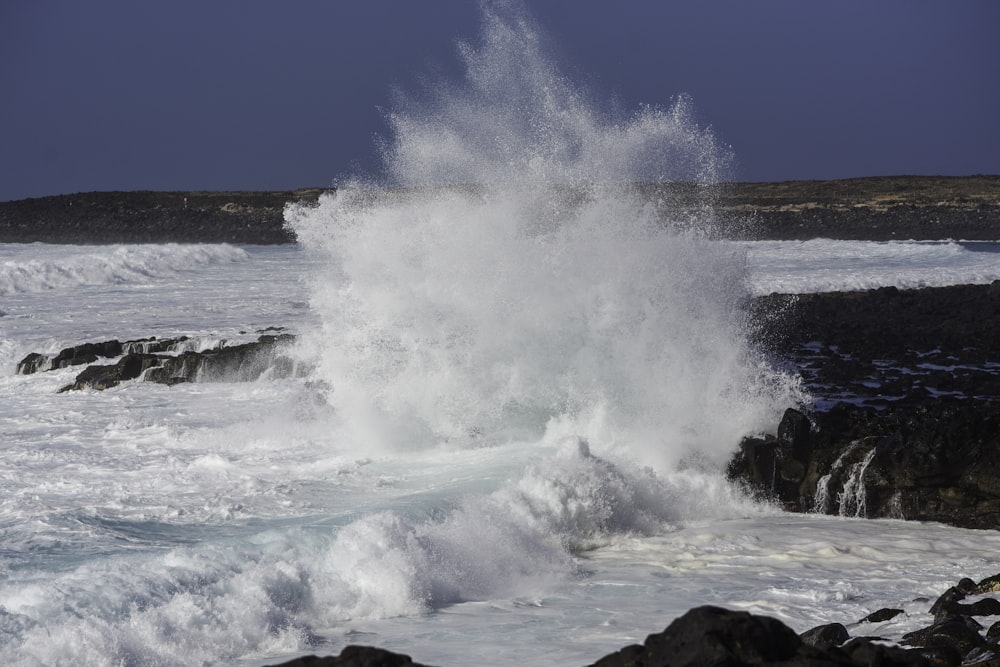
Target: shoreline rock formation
[
  {"x": 168, "y": 361},
  {"x": 711, "y": 636}
]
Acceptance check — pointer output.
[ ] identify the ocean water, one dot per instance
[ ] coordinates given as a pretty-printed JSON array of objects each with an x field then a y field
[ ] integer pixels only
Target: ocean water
[{"x": 523, "y": 384}]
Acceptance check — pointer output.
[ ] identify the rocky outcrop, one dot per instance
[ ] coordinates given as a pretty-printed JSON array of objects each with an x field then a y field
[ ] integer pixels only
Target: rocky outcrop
[
  {"x": 939, "y": 461},
  {"x": 716, "y": 637},
  {"x": 355, "y": 656},
  {"x": 169, "y": 361},
  {"x": 888, "y": 346},
  {"x": 907, "y": 416}
]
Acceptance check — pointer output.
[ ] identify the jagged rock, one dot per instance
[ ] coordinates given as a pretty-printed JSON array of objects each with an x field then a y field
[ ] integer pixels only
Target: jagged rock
[
  {"x": 947, "y": 600},
  {"x": 77, "y": 355},
  {"x": 988, "y": 585},
  {"x": 826, "y": 636},
  {"x": 987, "y": 655},
  {"x": 712, "y": 636},
  {"x": 355, "y": 656},
  {"x": 882, "y": 615},
  {"x": 128, "y": 367},
  {"x": 941, "y": 656},
  {"x": 144, "y": 359},
  {"x": 237, "y": 363},
  {"x": 863, "y": 651},
  {"x": 933, "y": 462},
  {"x": 954, "y": 632},
  {"x": 153, "y": 345},
  {"x": 33, "y": 363},
  {"x": 793, "y": 432}
]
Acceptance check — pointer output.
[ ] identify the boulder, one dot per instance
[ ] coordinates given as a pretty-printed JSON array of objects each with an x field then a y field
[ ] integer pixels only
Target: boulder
[
  {"x": 355, "y": 656},
  {"x": 826, "y": 636}
]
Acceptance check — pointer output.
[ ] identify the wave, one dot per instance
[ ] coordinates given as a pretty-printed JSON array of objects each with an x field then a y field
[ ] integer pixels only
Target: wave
[
  {"x": 283, "y": 590},
  {"x": 826, "y": 265},
  {"x": 66, "y": 267},
  {"x": 514, "y": 278}
]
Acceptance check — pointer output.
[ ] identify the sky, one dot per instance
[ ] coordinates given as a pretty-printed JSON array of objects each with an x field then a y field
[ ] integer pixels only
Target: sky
[{"x": 268, "y": 95}]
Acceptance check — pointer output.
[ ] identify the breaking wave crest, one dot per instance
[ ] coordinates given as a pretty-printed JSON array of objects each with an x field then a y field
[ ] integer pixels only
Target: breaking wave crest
[
  {"x": 77, "y": 266},
  {"x": 510, "y": 276}
]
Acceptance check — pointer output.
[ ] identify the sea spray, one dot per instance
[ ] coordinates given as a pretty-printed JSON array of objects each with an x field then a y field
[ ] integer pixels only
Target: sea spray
[{"x": 510, "y": 277}]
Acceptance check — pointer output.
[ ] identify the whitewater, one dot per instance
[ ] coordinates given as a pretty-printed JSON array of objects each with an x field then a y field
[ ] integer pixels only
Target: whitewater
[{"x": 523, "y": 385}]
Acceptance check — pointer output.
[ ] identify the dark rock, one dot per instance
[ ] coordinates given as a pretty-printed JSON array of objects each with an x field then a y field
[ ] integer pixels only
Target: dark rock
[
  {"x": 237, "y": 363},
  {"x": 355, "y": 656},
  {"x": 86, "y": 353},
  {"x": 33, "y": 363},
  {"x": 988, "y": 585},
  {"x": 993, "y": 634},
  {"x": 946, "y": 601},
  {"x": 233, "y": 363},
  {"x": 954, "y": 632},
  {"x": 987, "y": 655},
  {"x": 71, "y": 356},
  {"x": 863, "y": 651},
  {"x": 966, "y": 585},
  {"x": 793, "y": 432},
  {"x": 128, "y": 367},
  {"x": 826, "y": 636},
  {"x": 707, "y": 636},
  {"x": 943, "y": 656},
  {"x": 935, "y": 461},
  {"x": 153, "y": 345},
  {"x": 882, "y": 615}
]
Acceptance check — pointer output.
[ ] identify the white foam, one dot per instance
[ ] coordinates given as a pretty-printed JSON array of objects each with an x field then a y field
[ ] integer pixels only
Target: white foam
[
  {"x": 825, "y": 265},
  {"x": 62, "y": 268}
]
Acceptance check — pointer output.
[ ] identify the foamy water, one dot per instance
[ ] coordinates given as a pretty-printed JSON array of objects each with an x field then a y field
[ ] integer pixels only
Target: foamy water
[{"x": 524, "y": 385}]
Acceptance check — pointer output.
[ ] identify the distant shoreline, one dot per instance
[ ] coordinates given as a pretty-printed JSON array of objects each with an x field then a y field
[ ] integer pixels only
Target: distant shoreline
[{"x": 875, "y": 208}]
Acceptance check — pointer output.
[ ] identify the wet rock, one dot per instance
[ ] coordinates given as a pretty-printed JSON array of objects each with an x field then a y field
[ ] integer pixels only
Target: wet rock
[
  {"x": 229, "y": 363},
  {"x": 77, "y": 355},
  {"x": 102, "y": 377},
  {"x": 987, "y": 655},
  {"x": 355, "y": 656},
  {"x": 237, "y": 363},
  {"x": 863, "y": 651},
  {"x": 953, "y": 632},
  {"x": 946, "y": 601},
  {"x": 882, "y": 615},
  {"x": 34, "y": 363},
  {"x": 826, "y": 636},
  {"x": 941, "y": 656},
  {"x": 707, "y": 636},
  {"x": 936, "y": 461},
  {"x": 988, "y": 585}
]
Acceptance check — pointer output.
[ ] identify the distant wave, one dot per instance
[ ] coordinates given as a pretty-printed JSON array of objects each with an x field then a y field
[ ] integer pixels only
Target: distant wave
[
  {"x": 825, "y": 265},
  {"x": 42, "y": 270}
]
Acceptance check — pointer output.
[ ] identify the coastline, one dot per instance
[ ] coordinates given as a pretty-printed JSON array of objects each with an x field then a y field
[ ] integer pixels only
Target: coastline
[
  {"x": 870, "y": 209},
  {"x": 841, "y": 339}
]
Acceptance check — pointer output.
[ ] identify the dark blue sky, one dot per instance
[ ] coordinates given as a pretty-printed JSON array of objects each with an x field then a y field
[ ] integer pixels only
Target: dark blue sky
[{"x": 260, "y": 94}]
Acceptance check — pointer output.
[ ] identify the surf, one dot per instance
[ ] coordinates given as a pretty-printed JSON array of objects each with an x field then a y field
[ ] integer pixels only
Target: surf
[{"x": 510, "y": 277}]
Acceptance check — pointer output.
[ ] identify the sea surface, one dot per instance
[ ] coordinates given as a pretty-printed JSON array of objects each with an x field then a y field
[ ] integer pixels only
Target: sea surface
[
  {"x": 523, "y": 382},
  {"x": 244, "y": 523}
]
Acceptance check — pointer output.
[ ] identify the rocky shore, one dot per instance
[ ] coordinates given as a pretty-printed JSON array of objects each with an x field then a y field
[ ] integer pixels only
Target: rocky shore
[
  {"x": 878, "y": 208},
  {"x": 716, "y": 637},
  {"x": 906, "y": 421}
]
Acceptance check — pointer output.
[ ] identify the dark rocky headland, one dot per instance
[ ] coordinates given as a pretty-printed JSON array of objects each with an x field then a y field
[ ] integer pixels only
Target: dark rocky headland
[{"x": 878, "y": 208}]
